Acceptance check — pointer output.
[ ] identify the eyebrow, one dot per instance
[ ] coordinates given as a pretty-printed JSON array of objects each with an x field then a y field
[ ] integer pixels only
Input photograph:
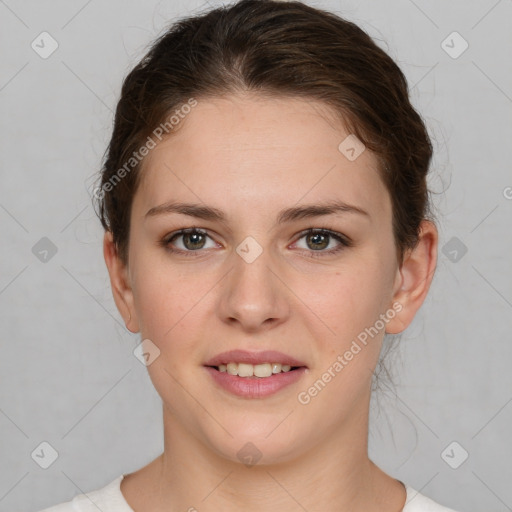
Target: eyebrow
[{"x": 287, "y": 215}]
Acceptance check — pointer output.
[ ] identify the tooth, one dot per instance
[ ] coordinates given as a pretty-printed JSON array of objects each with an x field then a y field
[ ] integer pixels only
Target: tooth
[
  {"x": 263, "y": 370},
  {"x": 248, "y": 370},
  {"x": 276, "y": 368},
  {"x": 245, "y": 370},
  {"x": 232, "y": 368}
]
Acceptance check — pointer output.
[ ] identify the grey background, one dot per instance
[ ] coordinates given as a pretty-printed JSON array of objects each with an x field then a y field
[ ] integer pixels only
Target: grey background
[{"x": 68, "y": 373}]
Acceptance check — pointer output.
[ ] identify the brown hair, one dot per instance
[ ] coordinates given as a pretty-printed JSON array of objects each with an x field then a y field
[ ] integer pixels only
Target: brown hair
[{"x": 282, "y": 49}]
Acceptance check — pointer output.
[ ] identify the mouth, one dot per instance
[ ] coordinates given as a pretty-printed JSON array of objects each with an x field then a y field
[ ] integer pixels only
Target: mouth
[
  {"x": 259, "y": 371},
  {"x": 255, "y": 374},
  {"x": 254, "y": 364}
]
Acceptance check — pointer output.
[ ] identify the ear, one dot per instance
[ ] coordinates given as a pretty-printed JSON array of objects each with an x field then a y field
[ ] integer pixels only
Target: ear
[
  {"x": 414, "y": 278},
  {"x": 119, "y": 281}
]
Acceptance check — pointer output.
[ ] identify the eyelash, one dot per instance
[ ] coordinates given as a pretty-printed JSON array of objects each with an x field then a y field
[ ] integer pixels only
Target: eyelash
[{"x": 344, "y": 241}]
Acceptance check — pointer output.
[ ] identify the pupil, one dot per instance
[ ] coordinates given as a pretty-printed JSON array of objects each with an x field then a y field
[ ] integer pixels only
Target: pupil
[
  {"x": 194, "y": 237},
  {"x": 320, "y": 235}
]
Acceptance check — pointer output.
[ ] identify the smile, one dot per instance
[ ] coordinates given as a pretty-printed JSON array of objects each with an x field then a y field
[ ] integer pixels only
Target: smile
[{"x": 255, "y": 370}]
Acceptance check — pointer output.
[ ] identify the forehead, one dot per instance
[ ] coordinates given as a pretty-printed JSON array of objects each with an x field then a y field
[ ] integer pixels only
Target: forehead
[{"x": 250, "y": 151}]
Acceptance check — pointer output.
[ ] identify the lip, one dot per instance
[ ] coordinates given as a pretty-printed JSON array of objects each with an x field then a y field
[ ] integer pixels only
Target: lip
[
  {"x": 255, "y": 387},
  {"x": 244, "y": 356}
]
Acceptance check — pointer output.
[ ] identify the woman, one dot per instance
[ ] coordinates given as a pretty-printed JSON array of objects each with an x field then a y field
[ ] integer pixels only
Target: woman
[{"x": 266, "y": 222}]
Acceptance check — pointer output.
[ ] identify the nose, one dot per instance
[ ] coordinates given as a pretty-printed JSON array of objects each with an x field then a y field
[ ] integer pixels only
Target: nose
[{"x": 254, "y": 294}]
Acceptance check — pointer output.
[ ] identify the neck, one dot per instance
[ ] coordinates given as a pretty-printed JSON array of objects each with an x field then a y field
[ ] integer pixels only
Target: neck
[{"x": 192, "y": 477}]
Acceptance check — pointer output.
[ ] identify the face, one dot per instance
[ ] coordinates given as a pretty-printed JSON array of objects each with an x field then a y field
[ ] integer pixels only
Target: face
[{"x": 249, "y": 276}]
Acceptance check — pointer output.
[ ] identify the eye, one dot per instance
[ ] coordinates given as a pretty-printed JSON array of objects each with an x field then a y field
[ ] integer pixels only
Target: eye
[
  {"x": 193, "y": 239},
  {"x": 319, "y": 239}
]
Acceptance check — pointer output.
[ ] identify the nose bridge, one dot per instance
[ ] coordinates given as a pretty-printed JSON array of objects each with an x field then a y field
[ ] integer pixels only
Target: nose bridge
[{"x": 253, "y": 294}]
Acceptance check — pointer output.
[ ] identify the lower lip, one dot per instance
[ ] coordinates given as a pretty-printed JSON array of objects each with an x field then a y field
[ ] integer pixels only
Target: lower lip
[{"x": 255, "y": 387}]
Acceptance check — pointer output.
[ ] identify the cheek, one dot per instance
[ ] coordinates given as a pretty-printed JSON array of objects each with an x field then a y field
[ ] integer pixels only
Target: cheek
[
  {"x": 350, "y": 304},
  {"x": 353, "y": 296},
  {"x": 170, "y": 301}
]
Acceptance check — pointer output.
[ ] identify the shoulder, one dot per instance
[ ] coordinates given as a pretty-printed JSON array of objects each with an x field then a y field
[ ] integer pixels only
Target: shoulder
[
  {"x": 417, "y": 502},
  {"x": 107, "y": 498}
]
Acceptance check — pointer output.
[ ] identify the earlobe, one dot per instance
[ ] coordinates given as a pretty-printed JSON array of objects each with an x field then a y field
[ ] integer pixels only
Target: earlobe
[
  {"x": 121, "y": 287},
  {"x": 414, "y": 278}
]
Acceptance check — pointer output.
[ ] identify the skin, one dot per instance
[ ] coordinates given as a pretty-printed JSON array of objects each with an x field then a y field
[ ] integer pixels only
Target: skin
[{"x": 252, "y": 156}]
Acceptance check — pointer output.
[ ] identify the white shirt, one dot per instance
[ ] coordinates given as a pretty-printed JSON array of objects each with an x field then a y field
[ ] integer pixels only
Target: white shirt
[{"x": 110, "y": 499}]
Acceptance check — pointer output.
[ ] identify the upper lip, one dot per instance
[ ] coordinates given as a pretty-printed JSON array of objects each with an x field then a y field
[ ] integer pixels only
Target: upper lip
[{"x": 243, "y": 356}]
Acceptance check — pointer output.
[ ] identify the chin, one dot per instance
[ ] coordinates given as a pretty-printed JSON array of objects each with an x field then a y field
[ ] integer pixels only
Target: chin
[{"x": 258, "y": 443}]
